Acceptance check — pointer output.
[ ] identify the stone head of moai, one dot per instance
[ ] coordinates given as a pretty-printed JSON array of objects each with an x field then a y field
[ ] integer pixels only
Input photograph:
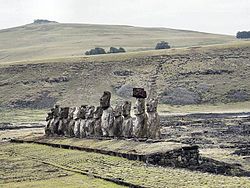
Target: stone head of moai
[
  {"x": 139, "y": 107},
  {"x": 50, "y": 115},
  {"x": 76, "y": 113},
  {"x": 152, "y": 105},
  {"x": 64, "y": 113},
  {"x": 82, "y": 112},
  {"x": 57, "y": 110},
  {"x": 118, "y": 110},
  {"x": 98, "y": 112},
  {"x": 126, "y": 108},
  {"x": 90, "y": 112},
  {"x": 105, "y": 100},
  {"x": 71, "y": 112},
  {"x": 140, "y": 95}
]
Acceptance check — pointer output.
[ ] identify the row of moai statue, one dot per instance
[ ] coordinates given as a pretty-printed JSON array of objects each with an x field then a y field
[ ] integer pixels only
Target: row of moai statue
[{"x": 104, "y": 121}]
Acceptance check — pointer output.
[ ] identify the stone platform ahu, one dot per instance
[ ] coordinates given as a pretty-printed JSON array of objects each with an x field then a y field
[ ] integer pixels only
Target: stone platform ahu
[
  {"x": 135, "y": 138},
  {"x": 105, "y": 121}
]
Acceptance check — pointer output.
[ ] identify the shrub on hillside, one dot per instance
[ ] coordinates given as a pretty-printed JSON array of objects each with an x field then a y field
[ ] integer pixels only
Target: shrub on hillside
[
  {"x": 162, "y": 45},
  {"x": 41, "y": 21},
  {"x": 243, "y": 35},
  {"x": 116, "y": 50},
  {"x": 95, "y": 51}
]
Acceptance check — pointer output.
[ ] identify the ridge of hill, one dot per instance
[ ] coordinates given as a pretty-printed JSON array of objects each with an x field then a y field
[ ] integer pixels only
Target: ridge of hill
[{"x": 51, "y": 40}]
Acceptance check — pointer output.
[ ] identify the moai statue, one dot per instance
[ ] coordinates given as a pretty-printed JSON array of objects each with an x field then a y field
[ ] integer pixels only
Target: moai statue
[
  {"x": 140, "y": 127},
  {"x": 71, "y": 122},
  {"x": 97, "y": 123},
  {"x": 63, "y": 121},
  {"x": 90, "y": 122},
  {"x": 55, "y": 120},
  {"x": 153, "y": 119},
  {"x": 76, "y": 117},
  {"x": 83, "y": 121},
  {"x": 127, "y": 124},
  {"x": 107, "y": 121},
  {"x": 118, "y": 120},
  {"x": 49, "y": 119}
]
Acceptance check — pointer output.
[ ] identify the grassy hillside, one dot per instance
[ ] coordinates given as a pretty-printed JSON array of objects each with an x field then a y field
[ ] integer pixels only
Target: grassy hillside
[
  {"x": 39, "y": 41},
  {"x": 205, "y": 75}
]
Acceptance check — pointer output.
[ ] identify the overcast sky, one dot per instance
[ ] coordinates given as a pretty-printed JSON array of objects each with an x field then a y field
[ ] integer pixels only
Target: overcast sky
[{"x": 216, "y": 16}]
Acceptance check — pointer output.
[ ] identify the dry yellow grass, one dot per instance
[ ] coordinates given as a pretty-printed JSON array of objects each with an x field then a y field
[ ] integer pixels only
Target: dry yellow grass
[{"x": 38, "y": 41}]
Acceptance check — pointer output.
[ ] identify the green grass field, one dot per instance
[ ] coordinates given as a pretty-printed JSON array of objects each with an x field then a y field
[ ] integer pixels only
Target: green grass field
[{"x": 105, "y": 166}]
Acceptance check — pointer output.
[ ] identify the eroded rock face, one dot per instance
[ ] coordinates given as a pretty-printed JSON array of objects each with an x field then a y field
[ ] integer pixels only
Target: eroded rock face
[
  {"x": 127, "y": 124},
  {"x": 118, "y": 120},
  {"x": 97, "y": 123},
  {"x": 153, "y": 120},
  {"x": 140, "y": 127}
]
